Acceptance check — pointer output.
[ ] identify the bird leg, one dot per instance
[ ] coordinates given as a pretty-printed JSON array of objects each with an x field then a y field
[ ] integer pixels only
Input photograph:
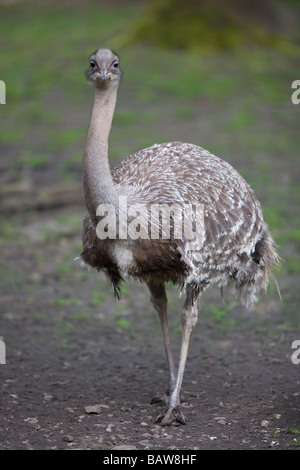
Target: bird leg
[
  {"x": 189, "y": 320},
  {"x": 159, "y": 301}
]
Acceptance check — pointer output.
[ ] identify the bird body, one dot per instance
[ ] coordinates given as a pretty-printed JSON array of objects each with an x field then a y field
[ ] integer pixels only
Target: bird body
[{"x": 236, "y": 246}]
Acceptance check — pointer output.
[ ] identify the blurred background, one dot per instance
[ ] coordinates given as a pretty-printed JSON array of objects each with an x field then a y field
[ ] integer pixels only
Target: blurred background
[{"x": 214, "y": 73}]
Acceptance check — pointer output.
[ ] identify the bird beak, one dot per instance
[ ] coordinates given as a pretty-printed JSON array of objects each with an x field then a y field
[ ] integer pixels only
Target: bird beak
[{"x": 103, "y": 75}]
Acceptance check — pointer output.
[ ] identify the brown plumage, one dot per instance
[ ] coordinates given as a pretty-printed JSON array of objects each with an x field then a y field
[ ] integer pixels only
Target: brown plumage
[{"x": 236, "y": 246}]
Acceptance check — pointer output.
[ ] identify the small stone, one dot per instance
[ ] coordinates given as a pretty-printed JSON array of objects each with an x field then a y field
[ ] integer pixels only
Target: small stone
[
  {"x": 125, "y": 447},
  {"x": 220, "y": 420},
  {"x": 93, "y": 409},
  {"x": 31, "y": 420},
  {"x": 48, "y": 397},
  {"x": 108, "y": 429},
  {"x": 144, "y": 443}
]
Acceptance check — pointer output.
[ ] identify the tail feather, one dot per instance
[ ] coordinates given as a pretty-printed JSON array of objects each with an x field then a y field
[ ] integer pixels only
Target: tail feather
[{"x": 261, "y": 267}]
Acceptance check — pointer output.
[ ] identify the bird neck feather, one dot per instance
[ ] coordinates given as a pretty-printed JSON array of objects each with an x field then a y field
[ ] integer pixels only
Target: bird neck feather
[{"x": 97, "y": 180}]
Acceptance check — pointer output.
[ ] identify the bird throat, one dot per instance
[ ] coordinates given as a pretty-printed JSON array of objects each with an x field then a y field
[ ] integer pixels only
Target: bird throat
[{"x": 97, "y": 180}]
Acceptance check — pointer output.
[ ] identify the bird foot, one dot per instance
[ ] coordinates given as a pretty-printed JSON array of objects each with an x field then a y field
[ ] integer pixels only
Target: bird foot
[
  {"x": 165, "y": 399},
  {"x": 173, "y": 414}
]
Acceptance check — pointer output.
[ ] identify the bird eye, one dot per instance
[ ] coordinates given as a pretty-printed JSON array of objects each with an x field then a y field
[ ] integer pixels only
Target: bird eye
[
  {"x": 93, "y": 64},
  {"x": 115, "y": 64}
]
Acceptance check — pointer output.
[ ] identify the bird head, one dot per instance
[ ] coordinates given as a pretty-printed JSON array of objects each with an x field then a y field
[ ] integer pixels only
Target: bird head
[{"x": 104, "y": 68}]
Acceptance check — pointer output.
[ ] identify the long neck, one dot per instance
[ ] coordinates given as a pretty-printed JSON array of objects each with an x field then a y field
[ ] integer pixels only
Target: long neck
[{"x": 97, "y": 180}]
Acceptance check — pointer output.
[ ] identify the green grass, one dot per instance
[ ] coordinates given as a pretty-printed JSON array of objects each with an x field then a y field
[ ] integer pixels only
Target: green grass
[
  {"x": 81, "y": 315},
  {"x": 123, "y": 323},
  {"x": 62, "y": 302},
  {"x": 235, "y": 104},
  {"x": 296, "y": 433},
  {"x": 36, "y": 161},
  {"x": 219, "y": 313},
  {"x": 98, "y": 298}
]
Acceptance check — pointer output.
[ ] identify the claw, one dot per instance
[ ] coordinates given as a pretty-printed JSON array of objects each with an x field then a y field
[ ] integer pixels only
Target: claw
[{"x": 172, "y": 415}]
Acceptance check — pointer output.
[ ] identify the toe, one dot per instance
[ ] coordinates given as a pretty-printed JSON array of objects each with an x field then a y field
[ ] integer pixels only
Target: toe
[{"x": 172, "y": 415}]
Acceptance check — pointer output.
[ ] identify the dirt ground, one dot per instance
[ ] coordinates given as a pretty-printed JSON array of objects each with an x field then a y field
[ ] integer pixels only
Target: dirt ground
[
  {"x": 71, "y": 346},
  {"x": 81, "y": 368}
]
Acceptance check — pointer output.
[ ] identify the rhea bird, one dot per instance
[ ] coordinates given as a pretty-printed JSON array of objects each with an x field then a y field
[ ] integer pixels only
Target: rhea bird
[{"x": 236, "y": 248}]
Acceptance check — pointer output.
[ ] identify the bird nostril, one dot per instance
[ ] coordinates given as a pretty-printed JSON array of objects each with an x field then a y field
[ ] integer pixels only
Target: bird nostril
[{"x": 103, "y": 73}]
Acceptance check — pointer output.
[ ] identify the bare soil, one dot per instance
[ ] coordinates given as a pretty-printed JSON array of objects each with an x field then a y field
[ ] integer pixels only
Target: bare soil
[{"x": 71, "y": 346}]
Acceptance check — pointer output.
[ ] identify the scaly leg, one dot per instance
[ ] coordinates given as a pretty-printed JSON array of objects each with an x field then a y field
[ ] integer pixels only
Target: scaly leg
[
  {"x": 189, "y": 320},
  {"x": 159, "y": 301}
]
